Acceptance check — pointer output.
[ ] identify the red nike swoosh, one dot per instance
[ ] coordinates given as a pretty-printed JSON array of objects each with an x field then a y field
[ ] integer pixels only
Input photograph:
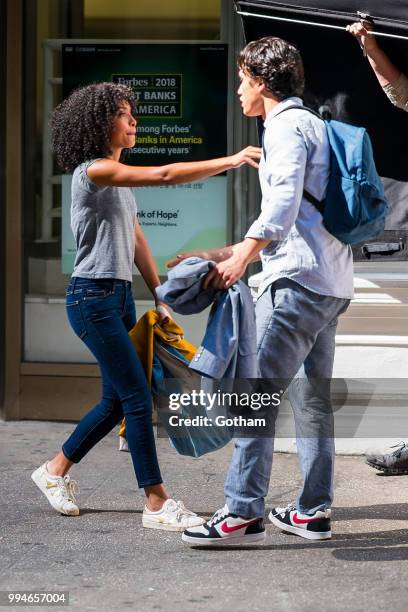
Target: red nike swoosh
[
  {"x": 225, "y": 528},
  {"x": 299, "y": 521}
]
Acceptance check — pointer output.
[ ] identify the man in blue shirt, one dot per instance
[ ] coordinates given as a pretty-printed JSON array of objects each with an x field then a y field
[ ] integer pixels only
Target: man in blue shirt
[{"x": 307, "y": 283}]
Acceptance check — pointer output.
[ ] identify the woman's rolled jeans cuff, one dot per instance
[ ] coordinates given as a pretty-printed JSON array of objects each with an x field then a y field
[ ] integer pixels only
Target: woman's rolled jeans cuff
[{"x": 68, "y": 457}]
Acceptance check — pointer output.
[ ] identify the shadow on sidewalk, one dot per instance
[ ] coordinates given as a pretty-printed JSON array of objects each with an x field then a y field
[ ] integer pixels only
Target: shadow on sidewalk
[
  {"x": 373, "y": 546},
  {"x": 379, "y": 546},
  {"x": 392, "y": 512}
]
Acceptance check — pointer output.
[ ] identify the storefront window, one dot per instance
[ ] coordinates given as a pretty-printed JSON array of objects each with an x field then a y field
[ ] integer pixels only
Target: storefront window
[
  {"x": 158, "y": 20},
  {"x": 57, "y": 22}
]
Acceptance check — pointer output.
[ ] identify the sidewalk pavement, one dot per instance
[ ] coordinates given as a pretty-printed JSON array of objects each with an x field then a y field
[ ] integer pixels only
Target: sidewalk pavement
[{"x": 107, "y": 561}]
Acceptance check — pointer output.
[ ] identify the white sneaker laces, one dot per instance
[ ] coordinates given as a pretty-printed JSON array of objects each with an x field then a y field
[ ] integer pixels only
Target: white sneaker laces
[
  {"x": 69, "y": 488},
  {"x": 218, "y": 515},
  {"x": 182, "y": 511},
  {"x": 292, "y": 506},
  {"x": 288, "y": 508},
  {"x": 400, "y": 447}
]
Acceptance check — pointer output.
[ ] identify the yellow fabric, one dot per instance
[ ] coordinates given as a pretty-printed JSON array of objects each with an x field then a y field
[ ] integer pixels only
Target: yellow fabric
[{"x": 143, "y": 334}]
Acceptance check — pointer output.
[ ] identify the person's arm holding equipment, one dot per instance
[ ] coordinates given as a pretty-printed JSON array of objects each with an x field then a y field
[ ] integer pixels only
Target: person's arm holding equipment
[{"x": 391, "y": 79}]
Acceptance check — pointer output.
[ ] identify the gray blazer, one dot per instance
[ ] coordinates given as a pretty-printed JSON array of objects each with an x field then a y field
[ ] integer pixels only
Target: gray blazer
[{"x": 228, "y": 349}]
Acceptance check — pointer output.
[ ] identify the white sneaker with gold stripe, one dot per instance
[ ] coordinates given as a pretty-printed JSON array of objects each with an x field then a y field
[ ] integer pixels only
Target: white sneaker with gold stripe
[
  {"x": 59, "y": 490},
  {"x": 173, "y": 516}
]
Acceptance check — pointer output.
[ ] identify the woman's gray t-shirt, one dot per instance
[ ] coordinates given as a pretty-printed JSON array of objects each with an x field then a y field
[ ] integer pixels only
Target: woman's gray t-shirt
[{"x": 103, "y": 222}]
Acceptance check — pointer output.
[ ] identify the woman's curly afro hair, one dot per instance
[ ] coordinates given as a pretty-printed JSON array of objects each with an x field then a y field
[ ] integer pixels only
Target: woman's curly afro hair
[
  {"x": 82, "y": 124},
  {"x": 277, "y": 63}
]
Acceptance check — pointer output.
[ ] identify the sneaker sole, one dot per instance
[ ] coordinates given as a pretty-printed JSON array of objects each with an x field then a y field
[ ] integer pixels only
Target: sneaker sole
[
  {"x": 164, "y": 526},
  {"x": 309, "y": 535},
  {"x": 246, "y": 539},
  {"x": 387, "y": 470},
  {"x": 43, "y": 491}
]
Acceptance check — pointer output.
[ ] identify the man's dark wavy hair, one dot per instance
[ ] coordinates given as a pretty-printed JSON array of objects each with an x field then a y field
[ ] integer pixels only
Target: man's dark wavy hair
[
  {"x": 82, "y": 124},
  {"x": 277, "y": 63}
]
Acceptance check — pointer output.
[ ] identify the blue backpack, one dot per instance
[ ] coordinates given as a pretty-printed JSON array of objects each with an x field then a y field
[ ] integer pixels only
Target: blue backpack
[{"x": 355, "y": 206}]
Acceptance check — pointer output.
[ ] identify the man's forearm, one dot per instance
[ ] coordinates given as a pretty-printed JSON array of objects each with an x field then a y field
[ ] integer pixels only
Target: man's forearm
[
  {"x": 230, "y": 270},
  {"x": 249, "y": 249}
]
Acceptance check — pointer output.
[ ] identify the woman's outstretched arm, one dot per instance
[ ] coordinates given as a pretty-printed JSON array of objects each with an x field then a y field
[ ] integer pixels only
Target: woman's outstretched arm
[{"x": 107, "y": 172}]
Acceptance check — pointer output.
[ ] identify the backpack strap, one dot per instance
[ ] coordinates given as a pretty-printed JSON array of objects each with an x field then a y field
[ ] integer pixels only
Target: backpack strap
[
  {"x": 316, "y": 203},
  {"x": 308, "y": 196},
  {"x": 300, "y": 107}
]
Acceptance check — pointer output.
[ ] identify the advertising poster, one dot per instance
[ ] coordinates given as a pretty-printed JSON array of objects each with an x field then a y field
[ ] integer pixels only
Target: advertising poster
[{"x": 181, "y": 91}]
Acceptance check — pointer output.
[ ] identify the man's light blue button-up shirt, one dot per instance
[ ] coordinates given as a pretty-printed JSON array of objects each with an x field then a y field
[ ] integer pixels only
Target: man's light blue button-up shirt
[{"x": 297, "y": 157}]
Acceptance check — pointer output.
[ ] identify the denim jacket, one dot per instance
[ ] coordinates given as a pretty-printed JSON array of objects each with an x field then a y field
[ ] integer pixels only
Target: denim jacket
[
  {"x": 165, "y": 357},
  {"x": 228, "y": 349}
]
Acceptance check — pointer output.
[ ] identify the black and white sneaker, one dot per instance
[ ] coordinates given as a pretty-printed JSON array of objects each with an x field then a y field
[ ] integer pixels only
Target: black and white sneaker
[
  {"x": 393, "y": 462},
  {"x": 312, "y": 527},
  {"x": 224, "y": 529}
]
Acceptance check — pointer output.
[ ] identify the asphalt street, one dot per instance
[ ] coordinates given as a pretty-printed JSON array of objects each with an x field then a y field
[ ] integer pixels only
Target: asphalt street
[{"x": 107, "y": 561}]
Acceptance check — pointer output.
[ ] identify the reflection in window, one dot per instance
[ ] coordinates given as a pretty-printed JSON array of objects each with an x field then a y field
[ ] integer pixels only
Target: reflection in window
[{"x": 53, "y": 21}]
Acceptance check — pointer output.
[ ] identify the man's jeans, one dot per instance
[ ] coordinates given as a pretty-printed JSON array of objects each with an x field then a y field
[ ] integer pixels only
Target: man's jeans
[
  {"x": 296, "y": 337},
  {"x": 101, "y": 313}
]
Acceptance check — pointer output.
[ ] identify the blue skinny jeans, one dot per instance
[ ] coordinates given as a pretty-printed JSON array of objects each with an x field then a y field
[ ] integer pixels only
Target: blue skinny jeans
[{"x": 101, "y": 312}]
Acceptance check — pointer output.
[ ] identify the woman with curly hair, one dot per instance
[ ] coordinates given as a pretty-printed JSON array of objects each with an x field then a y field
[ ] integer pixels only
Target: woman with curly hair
[{"x": 90, "y": 130}]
